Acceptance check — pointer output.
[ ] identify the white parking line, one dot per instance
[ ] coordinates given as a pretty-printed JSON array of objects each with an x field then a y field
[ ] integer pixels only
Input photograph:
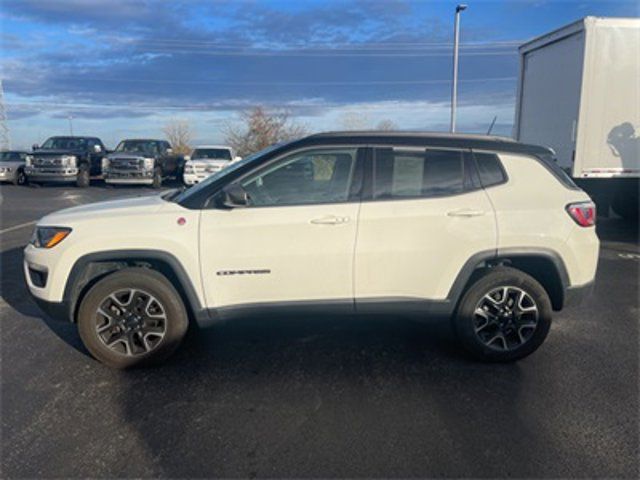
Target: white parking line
[{"x": 18, "y": 227}]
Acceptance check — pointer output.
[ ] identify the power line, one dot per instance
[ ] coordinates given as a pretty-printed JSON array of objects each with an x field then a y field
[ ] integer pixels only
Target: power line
[{"x": 287, "y": 83}]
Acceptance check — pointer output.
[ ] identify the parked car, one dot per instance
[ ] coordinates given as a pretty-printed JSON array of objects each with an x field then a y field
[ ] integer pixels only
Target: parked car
[
  {"x": 12, "y": 167},
  {"x": 431, "y": 225},
  {"x": 66, "y": 159},
  {"x": 141, "y": 161},
  {"x": 206, "y": 160}
]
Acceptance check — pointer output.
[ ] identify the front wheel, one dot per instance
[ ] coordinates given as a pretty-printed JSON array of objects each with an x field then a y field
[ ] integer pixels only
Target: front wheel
[
  {"x": 20, "y": 178},
  {"x": 132, "y": 317},
  {"x": 83, "y": 179},
  {"x": 504, "y": 316},
  {"x": 157, "y": 178}
]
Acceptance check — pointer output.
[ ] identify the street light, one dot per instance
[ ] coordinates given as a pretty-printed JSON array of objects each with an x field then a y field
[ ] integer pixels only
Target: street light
[{"x": 454, "y": 86}]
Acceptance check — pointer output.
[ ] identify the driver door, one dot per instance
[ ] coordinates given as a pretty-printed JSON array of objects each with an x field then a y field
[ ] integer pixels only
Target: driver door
[{"x": 293, "y": 245}]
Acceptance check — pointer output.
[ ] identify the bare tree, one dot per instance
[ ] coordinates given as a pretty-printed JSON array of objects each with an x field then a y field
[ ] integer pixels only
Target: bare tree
[
  {"x": 355, "y": 121},
  {"x": 259, "y": 129},
  {"x": 179, "y": 134},
  {"x": 386, "y": 125}
]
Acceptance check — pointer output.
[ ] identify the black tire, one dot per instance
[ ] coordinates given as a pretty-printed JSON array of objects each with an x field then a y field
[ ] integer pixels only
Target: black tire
[
  {"x": 466, "y": 321},
  {"x": 20, "y": 178},
  {"x": 83, "y": 179},
  {"x": 157, "y": 178},
  {"x": 145, "y": 281}
]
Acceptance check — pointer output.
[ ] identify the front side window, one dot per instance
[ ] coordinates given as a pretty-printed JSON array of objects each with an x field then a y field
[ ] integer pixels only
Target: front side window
[
  {"x": 314, "y": 176},
  {"x": 409, "y": 174}
]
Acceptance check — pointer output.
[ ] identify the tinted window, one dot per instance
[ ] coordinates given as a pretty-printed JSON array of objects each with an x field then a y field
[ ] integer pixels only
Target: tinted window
[
  {"x": 489, "y": 169},
  {"x": 318, "y": 176},
  {"x": 138, "y": 146},
  {"x": 65, "y": 143},
  {"x": 402, "y": 174}
]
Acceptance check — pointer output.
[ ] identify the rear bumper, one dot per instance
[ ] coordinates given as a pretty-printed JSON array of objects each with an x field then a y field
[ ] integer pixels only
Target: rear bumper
[{"x": 575, "y": 296}]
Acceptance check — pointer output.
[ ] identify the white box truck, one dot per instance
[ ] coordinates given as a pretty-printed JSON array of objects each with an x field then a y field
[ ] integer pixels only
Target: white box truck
[{"x": 579, "y": 93}]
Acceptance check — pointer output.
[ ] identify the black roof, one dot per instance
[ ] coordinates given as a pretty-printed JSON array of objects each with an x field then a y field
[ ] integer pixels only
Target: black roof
[{"x": 426, "y": 139}]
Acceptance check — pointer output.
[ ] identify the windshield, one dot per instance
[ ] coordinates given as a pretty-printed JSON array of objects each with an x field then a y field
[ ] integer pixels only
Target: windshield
[
  {"x": 9, "y": 156},
  {"x": 65, "y": 143},
  {"x": 211, "y": 154},
  {"x": 137, "y": 146},
  {"x": 223, "y": 173}
]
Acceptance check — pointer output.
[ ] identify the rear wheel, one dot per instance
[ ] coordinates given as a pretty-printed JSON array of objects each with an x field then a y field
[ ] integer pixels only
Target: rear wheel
[
  {"x": 504, "y": 316},
  {"x": 132, "y": 317},
  {"x": 83, "y": 179}
]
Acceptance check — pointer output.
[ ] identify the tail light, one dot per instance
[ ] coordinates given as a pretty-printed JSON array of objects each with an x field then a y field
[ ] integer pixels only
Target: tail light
[{"x": 583, "y": 213}]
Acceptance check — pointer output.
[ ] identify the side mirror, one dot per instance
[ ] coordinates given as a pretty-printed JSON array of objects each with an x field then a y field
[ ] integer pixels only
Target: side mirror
[
  {"x": 235, "y": 196},
  {"x": 35, "y": 146},
  {"x": 97, "y": 148},
  {"x": 169, "y": 151},
  {"x": 237, "y": 159},
  {"x": 187, "y": 158}
]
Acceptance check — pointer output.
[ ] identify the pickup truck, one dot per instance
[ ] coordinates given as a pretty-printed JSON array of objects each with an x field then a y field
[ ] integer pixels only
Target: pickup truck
[
  {"x": 65, "y": 159},
  {"x": 206, "y": 160},
  {"x": 141, "y": 161}
]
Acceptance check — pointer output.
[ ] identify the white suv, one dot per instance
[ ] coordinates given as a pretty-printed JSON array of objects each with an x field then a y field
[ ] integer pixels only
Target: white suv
[
  {"x": 482, "y": 230},
  {"x": 205, "y": 160}
]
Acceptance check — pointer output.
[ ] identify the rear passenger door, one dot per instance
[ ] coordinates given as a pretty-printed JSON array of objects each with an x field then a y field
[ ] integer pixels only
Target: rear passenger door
[{"x": 425, "y": 217}]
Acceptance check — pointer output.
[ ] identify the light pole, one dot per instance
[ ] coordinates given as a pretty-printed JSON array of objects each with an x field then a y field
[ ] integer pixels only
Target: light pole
[
  {"x": 71, "y": 125},
  {"x": 454, "y": 86}
]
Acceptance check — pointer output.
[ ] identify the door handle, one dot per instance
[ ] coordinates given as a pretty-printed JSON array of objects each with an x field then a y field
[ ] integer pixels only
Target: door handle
[
  {"x": 329, "y": 220},
  {"x": 466, "y": 212}
]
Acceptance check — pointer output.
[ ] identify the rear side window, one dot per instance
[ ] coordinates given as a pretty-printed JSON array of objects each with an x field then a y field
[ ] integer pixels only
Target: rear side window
[
  {"x": 409, "y": 174},
  {"x": 489, "y": 169}
]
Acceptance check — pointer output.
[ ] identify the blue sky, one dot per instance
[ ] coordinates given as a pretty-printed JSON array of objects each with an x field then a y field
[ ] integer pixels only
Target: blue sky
[{"x": 123, "y": 68}]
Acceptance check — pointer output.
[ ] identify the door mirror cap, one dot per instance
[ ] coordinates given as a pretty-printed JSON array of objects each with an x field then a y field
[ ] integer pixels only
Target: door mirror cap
[
  {"x": 35, "y": 146},
  {"x": 97, "y": 148},
  {"x": 234, "y": 196},
  {"x": 237, "y": 158},
  {"x": 169, "y": 151}
]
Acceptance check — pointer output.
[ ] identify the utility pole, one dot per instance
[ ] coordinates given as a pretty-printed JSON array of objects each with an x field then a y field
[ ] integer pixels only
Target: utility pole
[
  {"x": 5, "y": 139},
  {"x": 454, "y": 86},
  {"x": 70, "y": 125}
]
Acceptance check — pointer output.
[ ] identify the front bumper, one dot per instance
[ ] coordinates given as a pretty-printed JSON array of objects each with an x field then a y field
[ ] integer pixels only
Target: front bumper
[
  {"x": 51, "y": 174},
  {"x": 128, "y": 176},
  {"x": 193, "y": 178},
  {"x": 7, "y": 176}
]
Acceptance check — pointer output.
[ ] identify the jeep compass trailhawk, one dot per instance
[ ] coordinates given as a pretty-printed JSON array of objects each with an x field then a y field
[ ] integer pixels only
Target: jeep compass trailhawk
[{"x": 482, "y": 230}]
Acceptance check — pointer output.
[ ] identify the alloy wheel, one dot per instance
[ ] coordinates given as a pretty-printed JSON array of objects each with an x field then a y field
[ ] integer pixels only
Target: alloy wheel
[
  {"x": 505, "y": 318},
  {"x": 131, "y": 322}
]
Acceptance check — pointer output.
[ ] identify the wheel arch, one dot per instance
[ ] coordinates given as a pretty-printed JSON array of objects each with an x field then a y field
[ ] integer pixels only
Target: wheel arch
[
  {"x": 91, "y": 268},
  {"x": 544, "y": 265}
]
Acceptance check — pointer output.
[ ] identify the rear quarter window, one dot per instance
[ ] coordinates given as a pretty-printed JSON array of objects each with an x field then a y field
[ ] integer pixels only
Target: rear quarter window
[{"x": 490, "y": 169}]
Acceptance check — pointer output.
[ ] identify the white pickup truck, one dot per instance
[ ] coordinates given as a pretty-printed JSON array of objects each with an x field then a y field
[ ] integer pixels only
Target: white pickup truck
[{"x": 206, "y": 160}]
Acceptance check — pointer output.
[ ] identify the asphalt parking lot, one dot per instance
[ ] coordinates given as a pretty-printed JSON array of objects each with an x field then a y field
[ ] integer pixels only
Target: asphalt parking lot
[{"x": 330, "y": 397}]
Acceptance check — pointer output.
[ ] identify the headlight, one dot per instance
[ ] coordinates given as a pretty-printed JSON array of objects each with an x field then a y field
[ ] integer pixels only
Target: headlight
[
  {"x": 105, "y": 163},
  {"x": 28, "y": 160},
  {"x": 49, "y": 237},
  {"x": 68, "y": 160},
  {"x": 148, "y": 163}
]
